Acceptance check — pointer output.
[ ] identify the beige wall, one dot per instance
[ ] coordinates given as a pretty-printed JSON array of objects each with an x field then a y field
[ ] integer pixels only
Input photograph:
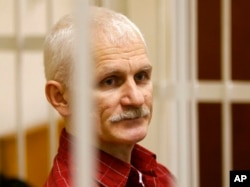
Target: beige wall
[
  {"x": 145, "y": 13},
  {"x": 33, "y": 28}
]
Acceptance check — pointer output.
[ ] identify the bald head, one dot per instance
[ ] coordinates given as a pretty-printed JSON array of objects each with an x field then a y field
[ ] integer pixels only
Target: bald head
[
  {"x": 113, "y": 28},
  {"x": 107, "y": 28}
]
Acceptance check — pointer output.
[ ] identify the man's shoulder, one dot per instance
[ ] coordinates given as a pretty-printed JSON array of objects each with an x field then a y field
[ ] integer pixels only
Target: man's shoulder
[{"x": 59, "y": 175}]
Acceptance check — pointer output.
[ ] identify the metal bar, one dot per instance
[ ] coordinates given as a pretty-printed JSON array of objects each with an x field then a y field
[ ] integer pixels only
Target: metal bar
[
  {"x": 210, "y": 91},
  {"x": 226, "y": 110},
  {"x": 167, "y": 132},
  {"x": 173, "y": 59},
  {"x": 194, "y": 99},
  {"x": 182, "y": 60},
  {"x": 21, "y": 146},
  {"x": 82, "y": 100},
  {"x": 51, "y": 114},
  {"x": 107, "y": 3}
]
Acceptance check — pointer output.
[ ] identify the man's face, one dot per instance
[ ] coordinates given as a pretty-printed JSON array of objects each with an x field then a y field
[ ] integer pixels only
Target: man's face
[{"x": 122, "y": 93}]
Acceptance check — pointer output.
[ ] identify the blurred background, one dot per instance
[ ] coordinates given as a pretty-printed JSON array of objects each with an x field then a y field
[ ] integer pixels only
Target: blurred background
[{"x": 201, "y": 56}]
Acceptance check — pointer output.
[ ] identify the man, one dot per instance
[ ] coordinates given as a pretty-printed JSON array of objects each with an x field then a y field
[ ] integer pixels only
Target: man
[{"x": 123, "y": 97}]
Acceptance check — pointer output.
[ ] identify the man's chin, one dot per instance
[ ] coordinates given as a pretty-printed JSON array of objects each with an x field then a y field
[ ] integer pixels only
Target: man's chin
[{"x": 135, "y": 137}]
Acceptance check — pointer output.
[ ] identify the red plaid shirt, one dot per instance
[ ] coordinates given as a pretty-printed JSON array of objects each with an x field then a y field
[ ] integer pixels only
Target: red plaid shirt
[{"x": 112, "y": 172}]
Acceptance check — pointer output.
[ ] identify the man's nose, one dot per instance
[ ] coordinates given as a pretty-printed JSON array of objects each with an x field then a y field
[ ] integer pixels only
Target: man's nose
[{"x": 132, "y": 94}]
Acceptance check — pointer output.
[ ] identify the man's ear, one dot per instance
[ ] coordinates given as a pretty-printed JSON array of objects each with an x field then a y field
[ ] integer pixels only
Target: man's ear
[{"x": 57, "y": 95}]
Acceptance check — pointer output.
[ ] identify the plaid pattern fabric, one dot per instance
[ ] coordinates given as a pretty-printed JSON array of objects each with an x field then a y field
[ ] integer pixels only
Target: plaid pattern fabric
[{"x": 144, "y": 171}]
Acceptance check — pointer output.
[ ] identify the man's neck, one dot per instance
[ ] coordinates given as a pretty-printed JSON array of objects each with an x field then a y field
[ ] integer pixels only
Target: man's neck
[{"x": 122, "y": 152}]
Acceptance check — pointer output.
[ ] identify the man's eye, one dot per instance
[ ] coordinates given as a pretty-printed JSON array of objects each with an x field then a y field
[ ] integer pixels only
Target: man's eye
[
  {"x": 110, "y": 81},
  {"x": 142, "y": 76}
]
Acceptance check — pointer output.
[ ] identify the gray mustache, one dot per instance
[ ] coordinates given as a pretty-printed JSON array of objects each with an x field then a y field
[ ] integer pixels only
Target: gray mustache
[{"x": 130, "y": 114}]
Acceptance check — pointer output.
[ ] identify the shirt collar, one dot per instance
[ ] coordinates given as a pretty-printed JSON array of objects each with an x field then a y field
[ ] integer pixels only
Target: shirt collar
[
  {"x": 114, "y": 171},
  {"x": 143, "y": 160},
  {"x": 111, "y": 170}
]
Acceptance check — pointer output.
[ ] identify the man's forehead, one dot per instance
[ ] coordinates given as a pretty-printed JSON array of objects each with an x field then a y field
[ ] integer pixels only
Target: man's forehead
[
  {"x": 122, "y": 67},
  {"x": 113, "y": 66},
  {"x": 122, "y": 46},
  {"x": 106, "y": 52}
]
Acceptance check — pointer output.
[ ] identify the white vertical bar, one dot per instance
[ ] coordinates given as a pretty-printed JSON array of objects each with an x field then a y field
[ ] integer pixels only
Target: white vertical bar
[
  {"x": 49, "y": 13},
  {"x": 106, "y": 3},
  {"x": 226, "y": 110},
  {"x": 82, "y": 100},
  {"x": 194, "y": 124},
  {"x": 174, "y": 38},
  {"x": 51, "y": 114},
  {"x": 21, "y": 146},
  {"x": 182, "y": 60},
  {"x": 226, "y": 40},
  {"x": 161, "y": 41},
  {"x": 166, "y": 133},
  {"x": 173, "y": 59}
]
